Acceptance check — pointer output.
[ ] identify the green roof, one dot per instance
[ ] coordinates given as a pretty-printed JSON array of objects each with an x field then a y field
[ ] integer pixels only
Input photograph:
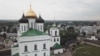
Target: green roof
[
  {"x": 33, "y": 32},
  {"x": 57, "y": 46},
  {"x": 17, "y": 54}
]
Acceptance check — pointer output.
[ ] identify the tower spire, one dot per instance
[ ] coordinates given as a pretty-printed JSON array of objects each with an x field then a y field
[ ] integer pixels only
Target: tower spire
[{"x": 54, "y": 23}]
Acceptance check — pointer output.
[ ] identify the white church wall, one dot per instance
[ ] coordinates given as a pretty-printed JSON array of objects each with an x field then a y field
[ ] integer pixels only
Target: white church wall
[
  {"x": 52, "y": 31},
  {"x": 40, "y": 26},
  {"x": 34, "y": 40},
  {"x": 32, "y": 23},
  {"x": 23, "y": 27},
  {"x": 55, "y": 40}
]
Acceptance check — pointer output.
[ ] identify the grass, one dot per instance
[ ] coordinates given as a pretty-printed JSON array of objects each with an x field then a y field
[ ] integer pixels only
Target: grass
[{"x": 86, "y": 50}]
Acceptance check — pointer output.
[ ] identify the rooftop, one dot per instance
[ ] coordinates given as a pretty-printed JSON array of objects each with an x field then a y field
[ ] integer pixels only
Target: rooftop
[
  {"x": 57, "y": 46},
  {"x": 33, "y": 32}
]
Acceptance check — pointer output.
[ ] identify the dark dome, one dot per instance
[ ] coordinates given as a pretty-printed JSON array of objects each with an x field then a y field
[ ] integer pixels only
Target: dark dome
[
  {"x": 39, "y": 20},
  {"x": 23, "y": 19}
]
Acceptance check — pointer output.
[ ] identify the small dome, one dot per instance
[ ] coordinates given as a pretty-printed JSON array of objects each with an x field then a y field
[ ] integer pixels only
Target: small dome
[
  {"x": 30, "y": 13},
  {"x": 23, "y": 19},
  {"x": 39, "y": 20}
]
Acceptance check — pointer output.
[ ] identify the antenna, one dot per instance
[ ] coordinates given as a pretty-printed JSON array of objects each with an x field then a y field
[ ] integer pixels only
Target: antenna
[{"x": 54, "y": 23}]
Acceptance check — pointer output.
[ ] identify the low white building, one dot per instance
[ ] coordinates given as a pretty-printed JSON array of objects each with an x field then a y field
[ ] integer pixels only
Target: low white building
[
  {"x": 57, "y": 49},
  {"x": 92, "y": 38}
]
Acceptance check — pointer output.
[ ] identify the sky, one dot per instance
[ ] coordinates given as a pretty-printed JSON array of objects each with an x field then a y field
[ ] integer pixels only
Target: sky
[{"x": 51, "y": 9}]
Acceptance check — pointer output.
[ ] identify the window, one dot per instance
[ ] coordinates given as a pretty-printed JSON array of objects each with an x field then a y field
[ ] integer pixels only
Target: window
[
  {"x": 55, "y": 33},
  {"x": 44, "y": 46},
  {"x": 35, "y": 54},
  {"x": 25, "y": 48},
  {"x": 24, "y": 28},
  {"x": 57, "y": 39},
  {"x": 31, "y": 24},
  {"x": 44, "y": 54},
  {"x": 41, "y": 27},
  {"x": 35, "y": 47},
  {"x": 54, "y": 40}
]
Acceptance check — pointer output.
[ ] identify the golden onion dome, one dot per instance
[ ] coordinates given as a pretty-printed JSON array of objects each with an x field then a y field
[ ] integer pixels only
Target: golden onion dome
[{"x": 30, "y": 13}]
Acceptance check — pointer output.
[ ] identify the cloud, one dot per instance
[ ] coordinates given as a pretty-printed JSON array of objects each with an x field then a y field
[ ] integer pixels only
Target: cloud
[{"x": 60, "y": 9}]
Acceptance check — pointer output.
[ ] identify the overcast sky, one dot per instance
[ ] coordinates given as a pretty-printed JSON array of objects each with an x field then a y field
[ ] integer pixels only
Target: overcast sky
[{"x": 60, "y": 9}]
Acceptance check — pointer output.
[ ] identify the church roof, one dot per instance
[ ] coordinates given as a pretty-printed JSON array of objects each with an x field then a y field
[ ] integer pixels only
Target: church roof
[
  {"x": 39, "y": 20},
  {"x": 31, "y": 13},
  {"x": 54, "y": 25},
  {"x": 57, "y": 46},
  {"x": 33, "y": 32},
  {"x": 23, "y": 19}
]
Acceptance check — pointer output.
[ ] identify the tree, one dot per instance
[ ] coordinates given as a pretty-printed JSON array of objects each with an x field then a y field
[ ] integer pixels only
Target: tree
[{"x": 67, "y": 35}]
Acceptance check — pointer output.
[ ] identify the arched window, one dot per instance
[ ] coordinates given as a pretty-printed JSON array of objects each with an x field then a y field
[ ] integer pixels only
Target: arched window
[
  {"x": 57, "y": 39},
  {"x": 24, "y": 28},
  {"x": 35, "y": 54},
  {"x": 25, "y": 48},
  {"x": 54, "y": 40},
  {"x": 31, "y": 24},
  {"x": 44, "y": 46},
  {"x": 55, "y": 33},
  {"x": 44, "y": 54},
  {"x": 41, "y": 27},
  {"x": 35, "y": 47}
]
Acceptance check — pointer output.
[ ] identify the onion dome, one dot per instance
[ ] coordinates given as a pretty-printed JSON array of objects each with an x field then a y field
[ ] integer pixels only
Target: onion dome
[
  {"x": 39, "y": 20},
  {"x": 23, "y": 19},
  {"x": 31, "y": 13}
]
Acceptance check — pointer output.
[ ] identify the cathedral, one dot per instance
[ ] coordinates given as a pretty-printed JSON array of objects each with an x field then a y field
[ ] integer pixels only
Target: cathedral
[{"x": 32, "y": 40}]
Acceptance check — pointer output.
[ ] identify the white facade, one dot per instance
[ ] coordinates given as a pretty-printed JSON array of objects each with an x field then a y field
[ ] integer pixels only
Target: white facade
[
  {"x": 55, "y": 40},
  {"x": 23, "y": 27},
  {"x": 40, "y": 26},
  {"x": 30, "y": 42},
  {"x": 57, "y": 51},
  {"x": 32, "y": 22},
  {"x": 92, "y": 38},
  {"x": 54, "y": 31}
]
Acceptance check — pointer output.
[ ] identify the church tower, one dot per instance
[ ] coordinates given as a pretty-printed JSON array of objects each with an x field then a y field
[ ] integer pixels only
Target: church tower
[
  {"x": 23, "y": 24},
  {"x": 54, "y": 33},
  {"x": 40, "y": 23},
  {"x": 31, "y": 16}
]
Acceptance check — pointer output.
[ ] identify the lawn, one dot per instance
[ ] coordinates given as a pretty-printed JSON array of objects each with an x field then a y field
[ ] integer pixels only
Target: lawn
[{"x": 86, "y": 50}]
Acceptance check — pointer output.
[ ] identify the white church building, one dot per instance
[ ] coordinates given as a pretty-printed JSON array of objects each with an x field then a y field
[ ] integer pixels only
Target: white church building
[{"x": 32, "y": 40}]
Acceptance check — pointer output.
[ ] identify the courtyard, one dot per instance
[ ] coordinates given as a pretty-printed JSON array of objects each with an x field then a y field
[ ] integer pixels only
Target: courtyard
[{"x": 86, "y": 50}]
